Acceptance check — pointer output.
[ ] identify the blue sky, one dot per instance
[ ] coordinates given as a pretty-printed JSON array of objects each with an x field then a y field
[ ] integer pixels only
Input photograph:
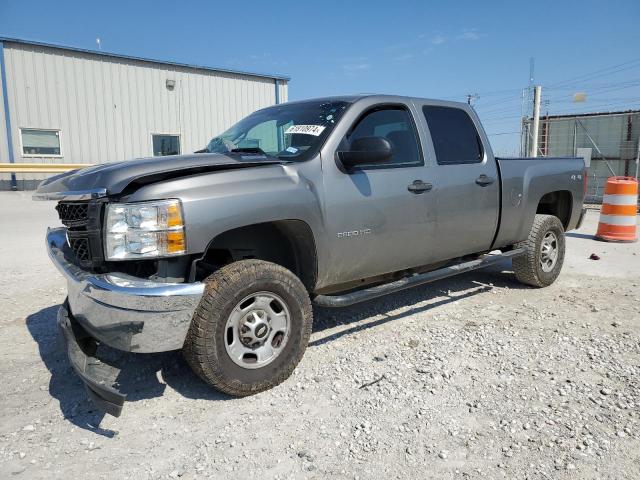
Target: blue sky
[{"x": 431, "y": 49}]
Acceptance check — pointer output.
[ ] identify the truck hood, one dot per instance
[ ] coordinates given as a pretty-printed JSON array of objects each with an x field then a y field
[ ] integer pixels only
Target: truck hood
[{"x": 123, "y": 177}]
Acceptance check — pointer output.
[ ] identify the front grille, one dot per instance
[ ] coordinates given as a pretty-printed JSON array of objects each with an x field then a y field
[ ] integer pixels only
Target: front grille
[
  {"x": 83, "y": 222},
  {"x": 81, "y": 250},
  {"x": 73, "y": 214}
]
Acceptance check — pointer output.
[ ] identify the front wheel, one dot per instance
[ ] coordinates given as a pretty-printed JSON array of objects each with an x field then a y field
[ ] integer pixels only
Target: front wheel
[
  {"x": 250, "y": 329},
  {"x": 540, "y": 265}
]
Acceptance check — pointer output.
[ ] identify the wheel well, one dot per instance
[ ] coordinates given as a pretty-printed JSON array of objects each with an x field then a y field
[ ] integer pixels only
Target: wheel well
[
  {"x": 288, "y": 243},
  {"x": 557, "y": 204}
]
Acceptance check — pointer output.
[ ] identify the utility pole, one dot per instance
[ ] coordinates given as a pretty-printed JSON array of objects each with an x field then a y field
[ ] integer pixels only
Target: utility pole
[
  {"x": 638, "y": 158},
  {"x": 525, "y": 125},
  {"x": 532, "y": 68},
  {"x": 533, "y": 146},
  {"x": 522, "y": 137}
]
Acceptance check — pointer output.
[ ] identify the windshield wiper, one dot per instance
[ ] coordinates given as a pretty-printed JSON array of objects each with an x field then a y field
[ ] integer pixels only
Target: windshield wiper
[
  {"x": 254, "y": 150},
  {"x": 259, "y": 151}
]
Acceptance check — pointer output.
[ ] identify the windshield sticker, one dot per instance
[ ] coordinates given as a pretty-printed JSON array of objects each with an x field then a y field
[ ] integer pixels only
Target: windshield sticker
[
  {"x": 314, "y": 130},
  {"x": 292, "y": 150}
]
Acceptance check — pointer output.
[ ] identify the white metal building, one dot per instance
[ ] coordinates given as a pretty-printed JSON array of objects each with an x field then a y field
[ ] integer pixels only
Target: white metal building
[{"x": 68, "y": 105}]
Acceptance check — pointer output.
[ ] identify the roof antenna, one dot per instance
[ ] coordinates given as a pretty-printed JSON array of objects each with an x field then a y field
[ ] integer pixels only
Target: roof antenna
[
  {"x": 98, "y": 42},
  {"x": 472, "y": 97}
]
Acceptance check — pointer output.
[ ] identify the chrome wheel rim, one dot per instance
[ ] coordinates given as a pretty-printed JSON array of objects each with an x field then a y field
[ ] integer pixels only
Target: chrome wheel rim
[
  {"x": 549, "y": 252},
  {"x": 257, "y": 330}
]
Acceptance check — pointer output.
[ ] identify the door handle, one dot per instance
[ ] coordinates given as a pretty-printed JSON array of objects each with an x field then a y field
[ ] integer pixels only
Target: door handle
[
  {"x": 418, "y": 186},
  {"x": 484, "y": 180}
]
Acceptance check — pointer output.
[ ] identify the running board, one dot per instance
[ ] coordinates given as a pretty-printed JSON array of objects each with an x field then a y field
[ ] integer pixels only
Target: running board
[{"x": 412, "y": 281}]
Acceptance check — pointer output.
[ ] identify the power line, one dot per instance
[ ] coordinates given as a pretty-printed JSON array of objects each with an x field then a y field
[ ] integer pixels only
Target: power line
[
  {"x": 486, "y": 94},
  {"x": 498, "y": 111},
  {"x": 600, "y": 72},
  {"x": 595, "y": 85},
  {"x": 496, "y": 121},
  {"x": 503, "y": 103},
  {"x": 595, "y": 103},
  {"x": 502, "y": 133},
  {"x": 598, "y": 92},
  {"x": 492, "y": 110},
  {"x": 630, "y": 106},
  {"x": 603, "y": 88},
  {"x": 556, "y": 100}
]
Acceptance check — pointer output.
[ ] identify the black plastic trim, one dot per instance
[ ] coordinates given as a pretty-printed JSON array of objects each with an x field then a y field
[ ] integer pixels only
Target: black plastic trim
[{"x": 90, "y": 369}]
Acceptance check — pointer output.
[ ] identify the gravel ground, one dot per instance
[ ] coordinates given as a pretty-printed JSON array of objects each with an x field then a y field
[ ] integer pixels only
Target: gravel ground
[{"x": 472, "y": 377}]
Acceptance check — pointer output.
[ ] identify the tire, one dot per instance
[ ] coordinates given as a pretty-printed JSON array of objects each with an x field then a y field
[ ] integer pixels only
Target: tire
[
  {"x": 528, "y": 267},
  {"x": 207, "y": 347}
]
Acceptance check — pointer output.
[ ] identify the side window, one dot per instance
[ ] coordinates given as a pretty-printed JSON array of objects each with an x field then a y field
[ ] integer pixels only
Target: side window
[
  {"x": 394, "y": 124},
  {"x": 455, "y": 138}
]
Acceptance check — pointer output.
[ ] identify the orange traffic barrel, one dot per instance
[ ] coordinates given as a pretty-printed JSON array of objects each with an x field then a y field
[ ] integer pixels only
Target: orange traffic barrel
[{"x": 619, "y": 207}]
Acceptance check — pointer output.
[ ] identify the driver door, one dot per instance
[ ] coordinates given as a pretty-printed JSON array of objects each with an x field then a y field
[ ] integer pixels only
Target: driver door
[{"x": 376, "y": 221}]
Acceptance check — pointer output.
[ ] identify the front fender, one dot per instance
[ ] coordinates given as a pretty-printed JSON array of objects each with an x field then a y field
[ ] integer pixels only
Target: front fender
[{"x": 214, "y": 203}]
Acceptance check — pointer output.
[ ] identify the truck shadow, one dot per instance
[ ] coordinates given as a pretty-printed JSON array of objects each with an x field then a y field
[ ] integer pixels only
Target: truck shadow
[
  {"x": 145, "y": 376},
  {"x": 139, "y": 378},
  {"x": 452, "y": 289}
]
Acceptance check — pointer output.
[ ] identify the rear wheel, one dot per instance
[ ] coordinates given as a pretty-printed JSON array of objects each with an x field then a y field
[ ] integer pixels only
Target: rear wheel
[
  {"x": 540, "y": 265},
  {"x": 250, "y": 329}
]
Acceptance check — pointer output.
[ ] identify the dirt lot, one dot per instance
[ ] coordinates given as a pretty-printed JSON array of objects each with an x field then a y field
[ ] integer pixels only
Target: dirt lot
[{"x": 472, "y": 377}]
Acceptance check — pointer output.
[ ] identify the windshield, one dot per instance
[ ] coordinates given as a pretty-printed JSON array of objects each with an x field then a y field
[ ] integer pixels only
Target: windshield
[{"x": 292, "y": 132}]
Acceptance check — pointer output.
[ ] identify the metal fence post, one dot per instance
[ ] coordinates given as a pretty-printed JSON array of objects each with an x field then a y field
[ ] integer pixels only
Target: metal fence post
[
  {"x": 7, "y": 116},
  {"x": 597, "y": 148},
  {"x": 638, "y": 158}
]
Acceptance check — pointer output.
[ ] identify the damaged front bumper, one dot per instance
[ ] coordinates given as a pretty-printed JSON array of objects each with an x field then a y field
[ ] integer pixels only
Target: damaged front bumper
[
  {"x": 99, "y": 378},
  {"x": 124, "y": 312},
  {"x": 120, "y": 311}
]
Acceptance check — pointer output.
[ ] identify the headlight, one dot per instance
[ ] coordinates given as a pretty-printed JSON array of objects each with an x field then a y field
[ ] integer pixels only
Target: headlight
[{"x": 143, "y": 230}]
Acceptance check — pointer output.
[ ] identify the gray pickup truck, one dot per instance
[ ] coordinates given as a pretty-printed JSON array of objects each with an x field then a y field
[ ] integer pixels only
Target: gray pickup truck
[{"x": 332, "y": 201}]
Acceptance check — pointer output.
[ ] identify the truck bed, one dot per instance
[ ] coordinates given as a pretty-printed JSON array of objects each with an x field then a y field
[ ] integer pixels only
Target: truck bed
[{"x": 524, "y": 183}]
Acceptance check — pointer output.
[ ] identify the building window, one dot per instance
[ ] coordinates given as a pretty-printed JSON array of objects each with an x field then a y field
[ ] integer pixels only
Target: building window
[
  {"x": 40, "y": 143},
  {"x": 165, "y": 145}
]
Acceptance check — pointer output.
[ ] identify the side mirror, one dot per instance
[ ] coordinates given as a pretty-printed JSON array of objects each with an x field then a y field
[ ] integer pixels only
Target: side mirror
[{"x": 366, "y": 151}]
